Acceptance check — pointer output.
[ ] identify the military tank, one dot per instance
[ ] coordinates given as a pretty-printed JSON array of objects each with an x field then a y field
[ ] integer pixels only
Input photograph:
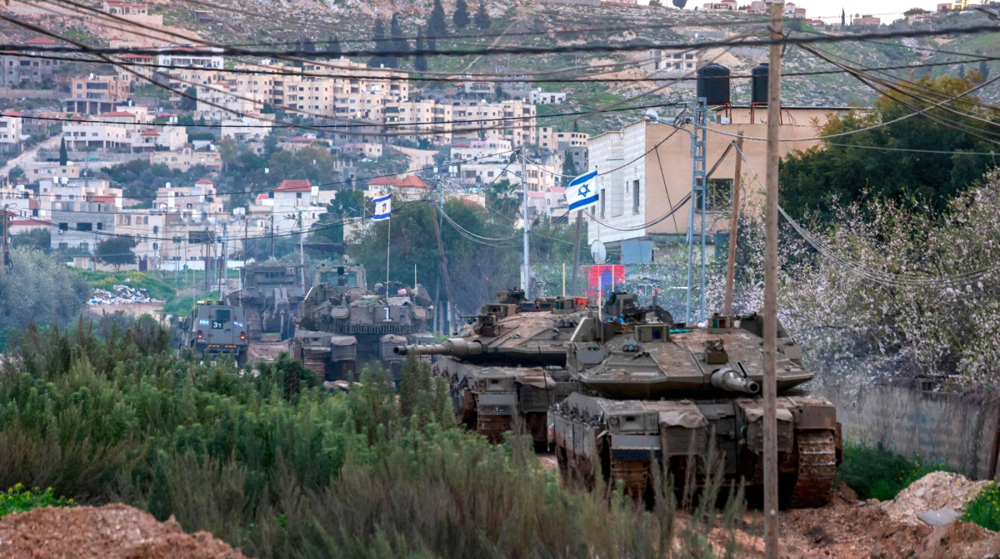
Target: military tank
[
  {"x": 676, "y": 395},
  {"x": 215, "y": 329},
  {"x": 507, "y": 366},
  {"x": 341, "y": 327},
  {"x": 269, "y": 295}
]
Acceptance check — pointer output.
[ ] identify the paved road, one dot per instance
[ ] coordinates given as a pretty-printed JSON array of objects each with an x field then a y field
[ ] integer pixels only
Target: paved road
[{"x": 29, "y": 155}]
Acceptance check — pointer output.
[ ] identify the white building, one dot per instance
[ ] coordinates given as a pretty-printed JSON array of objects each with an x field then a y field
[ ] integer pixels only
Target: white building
[
  {"x": 193, "y": 59},
  {"x": 11, "y": 134},
  {"x": 296, "y": 205}
]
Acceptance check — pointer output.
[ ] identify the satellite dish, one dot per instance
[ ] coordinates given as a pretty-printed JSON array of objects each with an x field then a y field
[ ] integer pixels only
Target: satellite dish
[{"x": 599, "y": 252}]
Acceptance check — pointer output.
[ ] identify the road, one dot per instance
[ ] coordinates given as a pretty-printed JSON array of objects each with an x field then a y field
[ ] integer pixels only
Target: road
[{"x": 29, "y": 155}]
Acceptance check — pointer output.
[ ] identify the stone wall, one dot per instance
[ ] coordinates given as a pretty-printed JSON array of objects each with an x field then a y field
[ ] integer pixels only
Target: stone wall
[{"x": 905, "y": 417}]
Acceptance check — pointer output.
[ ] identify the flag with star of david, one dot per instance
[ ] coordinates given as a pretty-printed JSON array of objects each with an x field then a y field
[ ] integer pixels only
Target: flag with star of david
[
  {"x": 383, "y": 207},
  {"x": 582, "y": 192}
]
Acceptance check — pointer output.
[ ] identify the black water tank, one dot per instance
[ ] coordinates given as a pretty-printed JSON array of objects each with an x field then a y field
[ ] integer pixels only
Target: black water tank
[
  {"x": 713, "y": 84},
  {"x": 758, "y": 88}
]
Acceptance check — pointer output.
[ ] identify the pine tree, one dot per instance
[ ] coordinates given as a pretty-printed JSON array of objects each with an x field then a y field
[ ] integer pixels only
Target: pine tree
[
  {"x": 63, "y": 155},
  {"x": 482, "y": 18},
  {"x": 576, "y": 126},
  {"x": 461, "y": 15},
  {"x": 843, "y": 18},
  {"x": 399, "y": 42},
  {"x": 420, "y": 60},
  {"x": 378, "y": 37},
  {"x": 333, "y": 46},
  {"x": 438, "y": 25},
  {"x": 984, "y": 70},
  {"x": 431, "y": 38},
  {"x": 569, "y": 168}
]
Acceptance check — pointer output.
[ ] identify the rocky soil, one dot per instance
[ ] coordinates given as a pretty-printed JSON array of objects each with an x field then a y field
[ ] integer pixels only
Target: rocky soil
[{"x": 108, "y": 532}]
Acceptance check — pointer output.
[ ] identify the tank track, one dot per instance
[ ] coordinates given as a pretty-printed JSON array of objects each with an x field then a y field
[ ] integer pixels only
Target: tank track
[
  {"x": 493, "y": 426},
  {"x": 817, "y": 469},
  {"x": 635, "y": 475}
]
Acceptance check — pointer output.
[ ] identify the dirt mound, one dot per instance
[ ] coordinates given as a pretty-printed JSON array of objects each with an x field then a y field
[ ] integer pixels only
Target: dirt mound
[
  {"x": 961, "y": 540},
  {"x": 937, "y": 490},
  {"x": 108, "y": 532}
]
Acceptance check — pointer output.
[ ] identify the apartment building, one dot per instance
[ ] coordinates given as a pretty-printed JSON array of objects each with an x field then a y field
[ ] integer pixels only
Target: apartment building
[
  {"x": 17, "y": 68},
  {"x": 82, "y": 211},
  {"x": 429, "y": 117},
  {"x": 296, "y": 205},
  {"x": 404, "y": 188},
  {"x": 96, "y": 95},
  {"x": 553, "y": 139},
  {"x": 218, "y": 102},
  {"x": 110, "y": 131},
  {"x": 191, "y": 201},
  {"x": 11, "y": 132},
  {"x": 247, "y": 128},
  {"x": 493, "y": 149},
  {"x": 636, "y": 190},
  {"x": 191, "y": 57},
  {"x": 671, "y": 62},
  {"x": 472, "y": 118},
  {"x": 187, "y": 158}
]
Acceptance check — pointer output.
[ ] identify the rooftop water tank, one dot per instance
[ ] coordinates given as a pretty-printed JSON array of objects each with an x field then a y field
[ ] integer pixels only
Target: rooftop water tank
[
  {"x": 758, "y": 81},
  {"x": 713, "y": 84}
]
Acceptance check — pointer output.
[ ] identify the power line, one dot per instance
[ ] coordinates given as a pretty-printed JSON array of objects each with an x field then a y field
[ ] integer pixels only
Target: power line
[{"x": 703, "y": 45}]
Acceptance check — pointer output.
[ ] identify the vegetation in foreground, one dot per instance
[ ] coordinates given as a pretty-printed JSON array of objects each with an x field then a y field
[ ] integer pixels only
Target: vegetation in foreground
[
  {"x": 985, "y": 508},
  {"x": 20, "y": 499},
  {"x": 272, "y": 463},
  {"x": 879, "y": 474}
]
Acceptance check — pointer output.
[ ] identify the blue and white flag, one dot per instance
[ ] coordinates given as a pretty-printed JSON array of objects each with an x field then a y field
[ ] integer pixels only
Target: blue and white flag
[
  {"x": 582, "y": 192},
  {"x": 383, "y": 207}
]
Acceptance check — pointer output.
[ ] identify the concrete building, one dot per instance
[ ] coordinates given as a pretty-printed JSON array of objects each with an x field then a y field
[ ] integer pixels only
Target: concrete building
[
  {"x": 186, "y": 158},
  {"x": 132, "y": 11},
  {"x": 247, "y": 128},
  {"x": 11, "y": 132},
  {"x": 191, "y": 57},
  {"x": 96, "y": 95},
  {"x": 296, "y": 205},
  {"x": 672, "y": 62},
  {"x": 404, "y": 188},
  {"x": 17, "y": 68},
  {"x": 82, "y": 211},
  {"x": 110, "y": 132},
  {"x": 553, "y": 139},
  {"x": 631, "y": 179}
]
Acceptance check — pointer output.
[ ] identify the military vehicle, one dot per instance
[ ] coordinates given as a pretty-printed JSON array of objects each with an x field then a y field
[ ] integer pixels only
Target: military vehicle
[
  {"x": 216, "y": 329},
  {"x": 269, "y": 295},
  {"x": 654, "y": 391},
  {"x": 507, "y": 365},
  {"x": 340, "y": 327}
]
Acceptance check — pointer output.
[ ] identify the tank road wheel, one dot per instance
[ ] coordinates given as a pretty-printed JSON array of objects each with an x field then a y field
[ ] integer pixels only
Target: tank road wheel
[
  {"x": 493, "y": 426},
  {"x": 817, "y": 468}
]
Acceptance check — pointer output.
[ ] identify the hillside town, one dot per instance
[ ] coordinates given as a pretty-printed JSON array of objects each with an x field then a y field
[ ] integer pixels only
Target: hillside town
[{"x": 546, "y": 278}]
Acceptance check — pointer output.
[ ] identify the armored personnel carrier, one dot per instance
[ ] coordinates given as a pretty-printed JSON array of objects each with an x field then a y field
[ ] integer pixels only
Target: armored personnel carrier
[
  {"x": 269, "y": 295},
  {"x": 340, "y": 326},
  {"x": 216, "y": 329},
  {"x": 508, "y": 364},
  {"x": 655, "y": 391}
]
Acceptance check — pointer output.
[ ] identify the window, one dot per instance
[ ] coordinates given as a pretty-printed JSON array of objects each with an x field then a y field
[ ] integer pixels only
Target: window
[
  {"x": 100, "y": 226},
  {"x": 64, "y": 227},
  {"x": 635, "y": 196}
]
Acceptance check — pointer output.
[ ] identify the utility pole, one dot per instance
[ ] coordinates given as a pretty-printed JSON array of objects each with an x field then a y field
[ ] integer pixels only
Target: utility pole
[
  {"x": 272, "y": 235},
  {"x": 699, "y": 147},
  {"x": 302, "y": 254},
  {"x": 734, "y": 228},
  {"x": 527, "y": 260},
  {"x": 771, "y": 289},
  {"x": 4, "y": 245},
  {"x": 444, "y": 274},
  {"x": 576, "y": 250},
  {"x": 225, "y": 261}
]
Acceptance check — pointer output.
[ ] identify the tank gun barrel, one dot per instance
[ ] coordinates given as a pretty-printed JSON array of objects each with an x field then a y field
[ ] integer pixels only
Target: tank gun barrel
[
  {"x": 731, "y": 381},
  {"x": 454, "y": 346}
]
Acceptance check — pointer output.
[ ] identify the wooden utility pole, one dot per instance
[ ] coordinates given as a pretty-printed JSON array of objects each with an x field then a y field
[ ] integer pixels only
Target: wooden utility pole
[
  {"x": 734, "y": 228},
  {"x": 444, "y": 274},
  {"x": 771, "y": 290}
]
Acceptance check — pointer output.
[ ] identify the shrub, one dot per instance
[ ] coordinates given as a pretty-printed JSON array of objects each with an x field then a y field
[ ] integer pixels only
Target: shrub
[
  {"x": 879, "y": 474},
  {"x": 20, "y": 499},
  {"x": 274, "y": 464},
  {"x": 985, "y": 508}
]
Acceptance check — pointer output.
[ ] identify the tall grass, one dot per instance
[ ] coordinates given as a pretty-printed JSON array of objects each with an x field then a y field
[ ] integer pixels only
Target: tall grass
[
  {"x": 875, "y": 473},
  {"x": 272, "y": 463}
]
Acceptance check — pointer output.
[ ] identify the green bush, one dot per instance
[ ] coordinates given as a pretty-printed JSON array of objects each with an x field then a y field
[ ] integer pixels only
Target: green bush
[
  {"x": 879, "y": 474},
  {"x": 20, "y": 499},
  {"x": 276, "y": 465},
  {"x": 158, "y": 289},
  {"x": 985, "y": 508}
]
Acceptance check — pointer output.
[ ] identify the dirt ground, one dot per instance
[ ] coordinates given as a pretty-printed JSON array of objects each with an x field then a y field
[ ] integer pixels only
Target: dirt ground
[
  {"x": 135, "y": 310},
  {"x": 846, "y": 529},
  {"x": 108, "y": 532},
  {"x": 266, "y": 351}
]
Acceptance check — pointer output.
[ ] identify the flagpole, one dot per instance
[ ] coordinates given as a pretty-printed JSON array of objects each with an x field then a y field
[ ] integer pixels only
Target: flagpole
[{"x": 388, "y": 244}]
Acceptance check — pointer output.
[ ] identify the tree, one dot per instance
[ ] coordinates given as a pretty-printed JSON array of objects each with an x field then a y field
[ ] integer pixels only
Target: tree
[
  {"x": 63, "y": 155},
  {"x": 437, "y": 23},
  {"x": 333, "y": 46},
  {"x": 843, "y": 18},
  {"x": 399, "y": 42},
  {"x": 461, "y": 15},
  {"x": 420, "y": 60},
  {"x": 189, "y": 102},
  {"x": 39, "y": 289},
  {"x": 431, "y": 39},
  {"x": 655, "y": 3},
  {"x": 482, "y": 19},
  {"x": 116, "y": 251},
  {"x": 680, "y": 3},
  {"x": 576, "y": 126},
  {"x": 569, "y": 170},
  {"x": 984, "y": 70},
  {"x": 378, "y": 37},
  {"x": 820, "y": 178}
]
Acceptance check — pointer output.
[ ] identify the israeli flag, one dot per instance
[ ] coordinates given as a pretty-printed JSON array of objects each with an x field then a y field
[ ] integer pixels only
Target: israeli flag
[
  {"x": 383, "y": 207},
  {"x": 582, "y": 192}
]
